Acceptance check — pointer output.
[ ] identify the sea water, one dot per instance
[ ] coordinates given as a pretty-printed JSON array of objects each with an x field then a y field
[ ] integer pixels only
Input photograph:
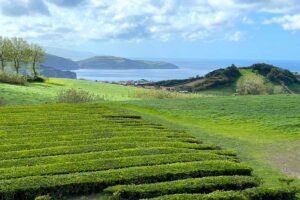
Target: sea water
[{"x": 187, "y": 68}]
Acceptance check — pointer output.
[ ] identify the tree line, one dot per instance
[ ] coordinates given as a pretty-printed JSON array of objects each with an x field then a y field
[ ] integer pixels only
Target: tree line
[{"x": 16, "y": 53}]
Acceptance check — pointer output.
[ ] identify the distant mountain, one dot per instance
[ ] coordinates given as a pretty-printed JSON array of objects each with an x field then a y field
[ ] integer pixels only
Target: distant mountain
[
  {"x": 59, "y": 63},
  {"x": 111, "y": 62},
  {"x": 56, "y": 73}
]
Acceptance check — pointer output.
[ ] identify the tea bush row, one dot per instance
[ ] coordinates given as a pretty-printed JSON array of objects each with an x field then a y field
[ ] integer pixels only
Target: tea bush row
[
  {"x": 61, "y": 150},
  {"x": 194, "y": 185},
  {"x": 88, "y": 182},
  {"x": 257, "y": 193},
  {"x": 104, "y": 164}
]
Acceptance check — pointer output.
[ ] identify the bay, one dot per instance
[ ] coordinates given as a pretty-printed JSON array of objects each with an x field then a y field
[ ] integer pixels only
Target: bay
[{"x": 187, "y": 68}]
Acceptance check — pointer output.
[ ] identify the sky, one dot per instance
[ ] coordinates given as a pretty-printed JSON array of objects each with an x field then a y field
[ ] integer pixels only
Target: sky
[{"x": 204, "y": 29}]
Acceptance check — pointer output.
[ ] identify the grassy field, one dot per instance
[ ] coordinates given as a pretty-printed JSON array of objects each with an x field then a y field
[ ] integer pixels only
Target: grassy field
[
  {"x": 34, "y": 93},
  {"x": 37, "y": 93},
  {"x": 71, "y": 149},
  {"x": 263, "y": 129}
]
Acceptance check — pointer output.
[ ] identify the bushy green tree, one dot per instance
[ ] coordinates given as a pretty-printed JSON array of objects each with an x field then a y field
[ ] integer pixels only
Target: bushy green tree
[
  {"x": 5, "y": 51},
  {"x": 251, "y": 86},
  {"x": 19, "y": 53},
  {"x": 36, "y": 56}
]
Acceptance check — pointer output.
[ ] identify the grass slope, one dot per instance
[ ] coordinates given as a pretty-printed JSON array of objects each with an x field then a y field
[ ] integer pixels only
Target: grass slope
[
  {"x": 34, "y": 93},
  {"x": 98, "y": 146},
  {"x": 264, "y": 129},
  {"x": 230, "y": 89},
  {"x": 37, "y": 93}
]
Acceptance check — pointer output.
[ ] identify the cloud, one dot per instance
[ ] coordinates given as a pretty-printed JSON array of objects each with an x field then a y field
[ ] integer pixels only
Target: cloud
[
  {"x": 135, "y": 20},
  {"x": 16, "y": 8},
  {"x": 248, "y": 21},
  {"x": 67, "y": 3},
  {"x": 235, "y": 36},
  {"x": 287, "y": 22}
]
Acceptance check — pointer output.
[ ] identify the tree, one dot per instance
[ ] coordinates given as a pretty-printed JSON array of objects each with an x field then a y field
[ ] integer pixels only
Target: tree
[
  {"x": 5, "y": 50},
  {"x": 2, "y": 52},
  {"x": 251, "y": 86},
  {"x": 36, "y": 56},
  {"x": 19, "y": 53}
]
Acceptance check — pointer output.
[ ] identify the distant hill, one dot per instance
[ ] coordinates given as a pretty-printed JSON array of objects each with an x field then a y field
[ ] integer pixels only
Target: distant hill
[
  {"x": 111, "y": 62},
  {"x": 56, "y": 73},
  {"x": 58, "y": 67},
  {"x": 225, "y": 81},
  {"x": 59, "y": 63}
]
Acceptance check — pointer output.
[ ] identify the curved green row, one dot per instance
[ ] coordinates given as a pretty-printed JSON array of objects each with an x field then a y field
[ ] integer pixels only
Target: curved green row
[
  {"x": 195, "y": 185},
  {"x": 45, "y": 143},
  {"x": 87, "y": 182},
  {"x": 105, "y": 164},
  {"x": 94, "y": 155},
  {"x": 107, "y": 154},
  {"x": 257, "y": 193},
  {"x": 60, "y": 150},
  {"x": 89, "y": 131}
]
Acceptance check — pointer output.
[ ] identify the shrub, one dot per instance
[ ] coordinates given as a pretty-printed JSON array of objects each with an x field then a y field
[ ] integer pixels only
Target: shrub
[
  {"x": 38, "y": 79},
  {"x": 251, "y": 86},
  {"x": 44, "y": 197},
  {"x": 275, "y": 74},
  {"x": 12, "y": 78},
  {"x": 218, "y": 195},
  {"x": 287, "y": 180},
  {"x": 271, "y": 193},
  {"x": 75, "y": 96},
  {"x": 194, "y": 185},
  {"x": 219, "y": 77}
]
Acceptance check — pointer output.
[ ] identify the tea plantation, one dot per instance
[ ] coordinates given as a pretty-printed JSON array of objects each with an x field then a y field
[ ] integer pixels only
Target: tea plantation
[{"x": 64, "y": 150}]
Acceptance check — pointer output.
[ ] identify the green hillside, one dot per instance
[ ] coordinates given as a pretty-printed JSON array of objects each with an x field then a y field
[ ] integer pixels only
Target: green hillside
[
  {"x": 70, "y": 149},
  {"x": 47, "y": 92},
  {"x": 255, "y": 79},
  {"x": 34, "y": 93}
]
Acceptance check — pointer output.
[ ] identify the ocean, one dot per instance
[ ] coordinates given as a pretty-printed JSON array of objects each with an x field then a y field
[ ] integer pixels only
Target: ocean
[{"x": 187, "y": 68}]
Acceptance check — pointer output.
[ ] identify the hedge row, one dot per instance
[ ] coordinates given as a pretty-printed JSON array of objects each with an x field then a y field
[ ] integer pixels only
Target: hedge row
[
  {"x": 88, "y": 182},
  {"x": 86, "y": 132},
  {"x": 258, "y": 193},
  {"x": 104, "y": 164},
  {"x": 92, "y": 156},
  {"x": 98, "y": 147},
  {"x": 195, "y": 185},
  {"x": 106, "y": 154},
  {"x": 217, "y": 195},
  {"x": 103, "y": 141},
  {"x": 67, "y": 127},
  {"x": 272, "y": 193}
]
